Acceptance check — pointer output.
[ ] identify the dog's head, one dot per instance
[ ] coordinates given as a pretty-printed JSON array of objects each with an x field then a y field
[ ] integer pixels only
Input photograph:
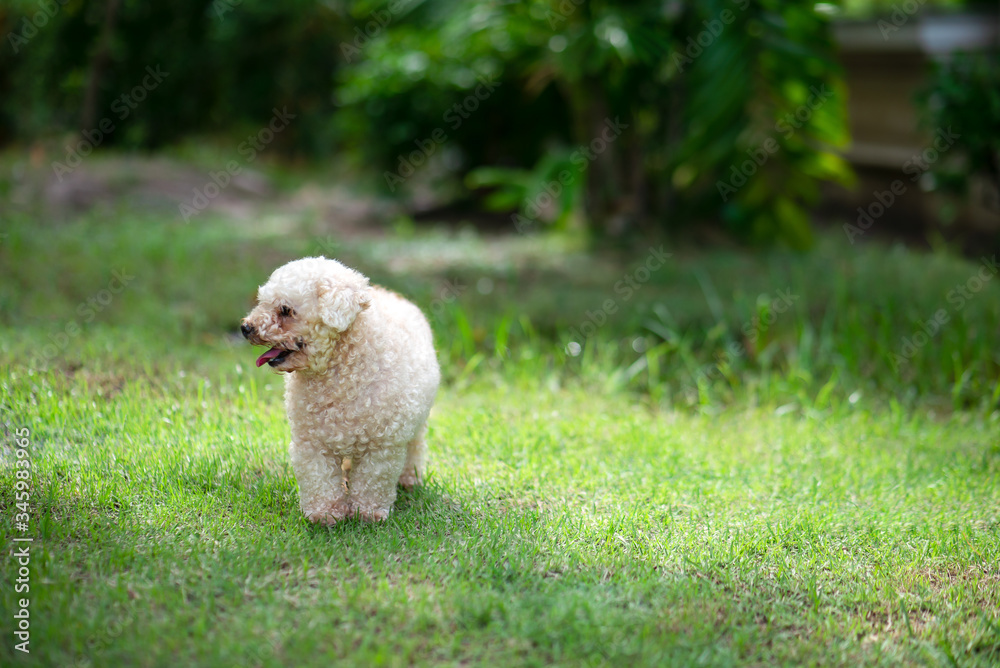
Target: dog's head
[{"x": 302, "y": 311}]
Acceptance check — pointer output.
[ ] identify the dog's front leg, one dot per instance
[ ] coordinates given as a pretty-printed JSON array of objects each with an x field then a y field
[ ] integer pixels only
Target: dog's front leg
[
  {"x": 321, "y": 489},
  {"x": 373, "y": 481}
]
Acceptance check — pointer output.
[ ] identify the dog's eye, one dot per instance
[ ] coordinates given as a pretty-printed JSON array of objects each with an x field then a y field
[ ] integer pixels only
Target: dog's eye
[{"x": 285, "y": 312}]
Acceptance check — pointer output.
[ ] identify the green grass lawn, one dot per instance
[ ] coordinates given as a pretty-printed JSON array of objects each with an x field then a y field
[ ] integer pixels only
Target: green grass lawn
[{"x": 639, "y": 498}]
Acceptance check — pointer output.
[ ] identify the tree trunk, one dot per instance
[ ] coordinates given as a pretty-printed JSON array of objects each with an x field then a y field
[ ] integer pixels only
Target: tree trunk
[
  {"x": 102, "y": 56},
  {"x": 604, "y": 174}
]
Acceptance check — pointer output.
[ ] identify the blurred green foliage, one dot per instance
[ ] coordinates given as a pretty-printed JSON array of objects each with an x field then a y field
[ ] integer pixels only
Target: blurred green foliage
[
  {"x": 724, "y": 109},
  {"x": 702, "y": 87},
  {"x": 228, "y": 64},
  {"x": 964, "y": 94},
  {"x": 872, "y": 8}
]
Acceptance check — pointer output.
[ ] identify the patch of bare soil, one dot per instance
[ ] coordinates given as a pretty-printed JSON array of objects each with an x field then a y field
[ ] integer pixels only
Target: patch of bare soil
[{"x": 163, "y": 185}]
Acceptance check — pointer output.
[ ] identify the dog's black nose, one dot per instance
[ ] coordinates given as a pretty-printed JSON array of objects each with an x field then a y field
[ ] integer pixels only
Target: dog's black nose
[{"x": 246, "y": 329}]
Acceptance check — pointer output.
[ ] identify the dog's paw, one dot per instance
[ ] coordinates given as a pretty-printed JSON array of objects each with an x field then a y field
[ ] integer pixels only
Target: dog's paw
[
  {"x": 371, "y": 514},
  {"x": 329, "y": 514},
  {"x": 329, "y": 519},
  {"x": 409, "y": 479}
]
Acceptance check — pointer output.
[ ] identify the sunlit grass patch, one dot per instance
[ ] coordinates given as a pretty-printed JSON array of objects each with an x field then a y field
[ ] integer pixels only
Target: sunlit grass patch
[{"x": 633, "y": 498}]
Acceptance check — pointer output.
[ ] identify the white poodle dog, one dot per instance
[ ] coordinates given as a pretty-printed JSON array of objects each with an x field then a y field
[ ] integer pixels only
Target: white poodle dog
[{"x": 361, "y": 375}]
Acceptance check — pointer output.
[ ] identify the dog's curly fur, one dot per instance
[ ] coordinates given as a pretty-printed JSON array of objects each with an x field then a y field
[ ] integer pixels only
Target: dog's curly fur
[{"x": 361, "y": 375}]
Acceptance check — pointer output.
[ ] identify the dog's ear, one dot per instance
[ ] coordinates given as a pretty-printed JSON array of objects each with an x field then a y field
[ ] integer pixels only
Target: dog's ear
[{"x": 340, "y": 305}]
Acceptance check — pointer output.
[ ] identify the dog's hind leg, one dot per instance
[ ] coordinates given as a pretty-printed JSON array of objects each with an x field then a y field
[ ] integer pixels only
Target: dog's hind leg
[{"x": 416, "y": 455}]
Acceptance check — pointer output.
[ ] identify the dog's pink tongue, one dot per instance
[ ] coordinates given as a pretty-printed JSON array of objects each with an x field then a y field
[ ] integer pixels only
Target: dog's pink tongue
[{"x": 268, "y": 356}]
